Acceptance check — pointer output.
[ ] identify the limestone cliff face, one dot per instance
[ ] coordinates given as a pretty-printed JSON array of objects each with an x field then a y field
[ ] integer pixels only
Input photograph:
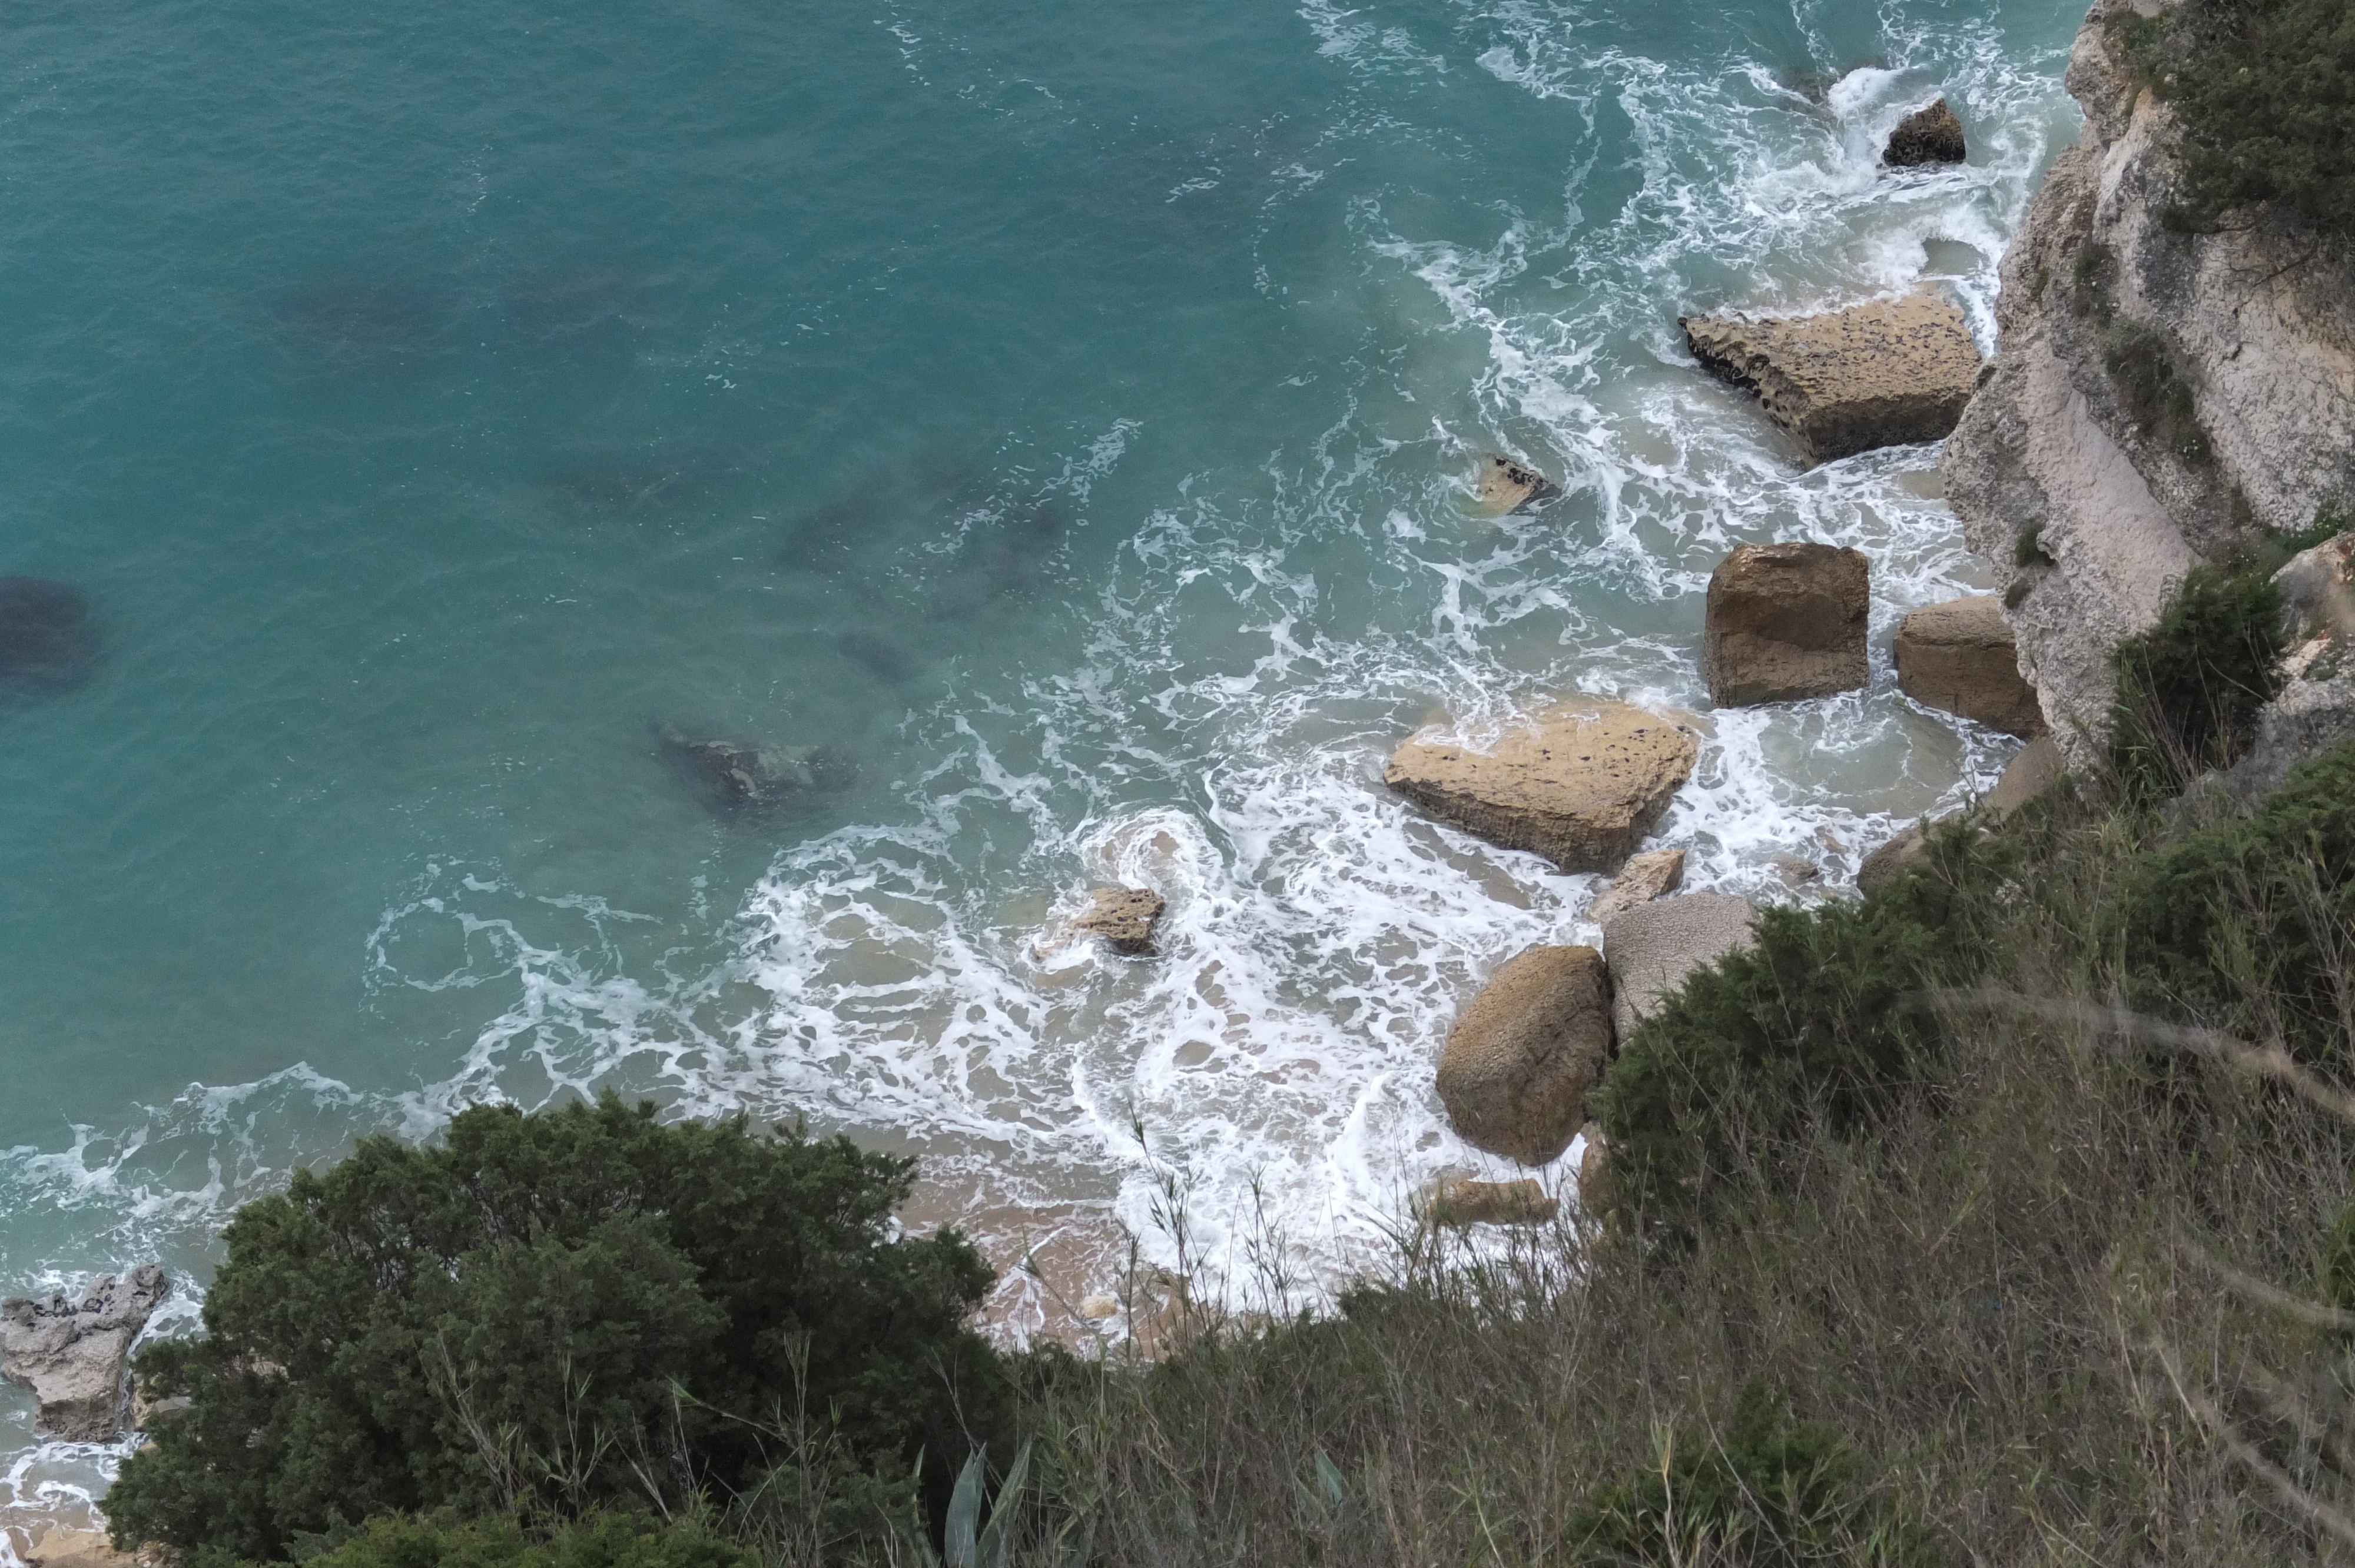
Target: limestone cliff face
[{"x": 2155, "y": 394}]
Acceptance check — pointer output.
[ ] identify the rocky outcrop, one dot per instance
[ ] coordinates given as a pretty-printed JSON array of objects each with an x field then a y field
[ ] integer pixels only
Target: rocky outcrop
[
  {"x": 1517, "y": 1065},
  {"x": 1124, "y": 918},
  {"x": 48, "y": 638},
  {"x": 2316, "y": 707},
  {"x": 54, "y": 1547},
  {"x": 72, "y": 1355},
  {"x": 1884, "y": 373},
  {"x": 1507, "y": 486},
  {"x": 1959, "y": 657},
  {"x": 1465, "y": 1202},
  {"x": 1580, "y": 783},
  {"x": 2040, "y": 769},
  {"x": 1786, "y": 623},
  {"x": 2157, "y": 393},
  {"x": 1931, "y": 135},
  {"x": 1652, "y": 948},
  {"x": 1652, "y": 875}
]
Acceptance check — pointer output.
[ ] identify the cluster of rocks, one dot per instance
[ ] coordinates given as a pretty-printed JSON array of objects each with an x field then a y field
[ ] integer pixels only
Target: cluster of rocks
[{"x": 72, "y": 1355}]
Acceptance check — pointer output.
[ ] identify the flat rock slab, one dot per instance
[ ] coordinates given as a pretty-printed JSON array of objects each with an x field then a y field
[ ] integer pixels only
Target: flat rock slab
[
  {"x": 1124, "y": 918},
  {"x": 1509, "y": 486},
  {"x": 1891, "y": 373},
  {"x": 1463, "y": 1201},
  {"x": 1931, "y": 135},
  {"x": 1960, "y": 658},
  {"x": 2040, "y": 769},
  {"x": 72, "y": 1355},
  {"x": 1653, "y": 947},
  {"x": 1652, "y": 875},
  {"x": 1580, "y": 783},
  {"x": 1520, "y": 1061},
  {"x": 1786, "y": 623}
]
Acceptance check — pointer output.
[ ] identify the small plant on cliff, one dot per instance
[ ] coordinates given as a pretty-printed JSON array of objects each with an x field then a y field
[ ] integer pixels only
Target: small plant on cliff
[
  {"x": 2266, "y": 91},
  {"x": 2155, "y": 391},
  {"x": 2190, "y": 687},
  {"x": 553, "y": 1313}
]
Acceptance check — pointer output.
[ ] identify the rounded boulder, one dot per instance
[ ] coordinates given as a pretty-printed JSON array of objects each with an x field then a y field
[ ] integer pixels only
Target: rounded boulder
[{"x": 1517, "y": 1065}]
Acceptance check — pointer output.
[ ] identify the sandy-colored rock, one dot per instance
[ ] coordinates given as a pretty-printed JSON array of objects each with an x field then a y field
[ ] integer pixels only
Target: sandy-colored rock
[
  {"x": 1786, "y": 622},
  {"x": 1580, "y": 783},
  {"x": 1652, "y": 948},
  {"x": 1794, "y": 870},
  {"x": 1465, "y": 1202},
  {"x": 1123, "y": 917},
  {"x": 1931, "y": 135},
  {"x": 1885, "y": 374},
  {"x": 1594, "y": 1169},
  {"x": 1959, "y": 658},
  {"x": 2040, "y": 769},
  {"x": 1652, "y": 875},
  {"x": 1509, "y": 486},
  {"x": 54, "y": 1546},
  {"x": 1517, "y": 1065},
  {"x": 1907, "y": 850},
  {"x": 72, "y": 1355}
]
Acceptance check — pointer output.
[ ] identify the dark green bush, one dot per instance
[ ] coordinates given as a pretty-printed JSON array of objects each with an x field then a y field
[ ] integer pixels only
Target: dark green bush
[
  {"x": 2154, "y": 392},
  {"x": 559, "y": 1311},
  {"x": 1819, "y": 1024},
  {"x": 2190, "y": 687},
  {"x": 1769, "y": 1492},
  {"x": 2241, "y": 923},
  {"x": 2266, "y": 91},
  {"x": 599, "y": 1540}
]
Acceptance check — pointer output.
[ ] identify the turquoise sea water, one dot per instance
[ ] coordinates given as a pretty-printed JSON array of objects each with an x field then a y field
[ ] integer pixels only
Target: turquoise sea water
[{"x": 1063, "y": 414}]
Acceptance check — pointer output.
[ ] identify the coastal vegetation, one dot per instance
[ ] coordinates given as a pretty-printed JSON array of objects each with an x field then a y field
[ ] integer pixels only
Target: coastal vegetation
[{"x": 2000, "y": 1216}]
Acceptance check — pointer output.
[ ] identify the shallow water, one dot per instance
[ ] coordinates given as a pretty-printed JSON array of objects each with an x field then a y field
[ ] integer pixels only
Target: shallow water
[{"x": 1065, "y": 418}]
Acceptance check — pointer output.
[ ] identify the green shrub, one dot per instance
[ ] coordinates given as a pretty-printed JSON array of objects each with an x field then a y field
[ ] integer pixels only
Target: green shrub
[
  {"x": 2243, "y": 924},
  {"x": 1771, "y": 1492},
  {"x": 599, "y": 1540},
  {"x": 2154, "y": 392},
  {"x": 559, "y": 1311},
  {"x": 2266, "y": 91},
  {"x": 1820, "y": 1023},
  {"x": 2190, "y": 687}
]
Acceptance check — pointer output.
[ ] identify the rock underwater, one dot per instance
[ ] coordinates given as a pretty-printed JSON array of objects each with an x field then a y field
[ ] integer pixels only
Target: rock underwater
[{"x": 49, "y": 642}]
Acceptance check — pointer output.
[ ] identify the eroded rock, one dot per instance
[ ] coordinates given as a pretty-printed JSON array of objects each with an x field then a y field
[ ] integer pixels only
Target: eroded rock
[
  {"x": 72, "y": 1355},
  {"x": 1509, "y": 486},
  {"x": 1520, "y": 1061},
  {"x": 747, "y": 778},
  {"x": 1124, "y": 918},
  {"x": 1651, "y": 875},
  {"x": 2040, "y": 769},
  {"x": 1959, "y": 658},
  {"x": 1652, "y": 948},
  {"x": 1931, "y": 135},
  {"x": 1786, "y": 623},
  {"x": 1885, "y": 374},
  {"x": 1905, "y": 852},
  {"x": 1580, "y": 783}
]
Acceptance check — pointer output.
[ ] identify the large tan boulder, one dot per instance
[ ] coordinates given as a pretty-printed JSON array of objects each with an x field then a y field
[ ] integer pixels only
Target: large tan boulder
[
  {"x": 1959, "y": 658},
  {"x": 1580, "y": 783},
  {"x": 1507, "y": 486},
  {"x": 1886, "y": 374},
  {"x": 1786, "y": 623},
  {"x": 1652, "y": 948},
  {"x": 1465, "y": 1202},
  {"x": 1654, "y": 873},
  {"x": 1123, "y": 917},
  {"x": 2040, "y": 769},
  {"x": 1517, "y": 1065}
]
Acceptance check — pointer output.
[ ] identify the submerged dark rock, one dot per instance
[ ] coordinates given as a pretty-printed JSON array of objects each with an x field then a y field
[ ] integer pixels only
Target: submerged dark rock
[
  {"x": 878, "y": 656},
  {"x": 360, "y": 320},
  {"x": 744, "y": 778},
  {"x": 662, "y": 478},
  {"x": 49, "y": 642}
]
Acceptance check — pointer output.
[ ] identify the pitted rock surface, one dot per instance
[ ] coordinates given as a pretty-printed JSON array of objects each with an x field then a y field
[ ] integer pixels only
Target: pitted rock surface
[
  {"x": 1931, "y": 135},
  {"x": 1884, "y": 373},
  {"x": 1517, "y": 1065},
  {"x": 1124, "y": 918},
  {"x": 72, "y": 1355},
  {"x": 1580, "y": 783},
  {"x": 1646, "y": 876},
  {"x": 1509, "y": 486},
  {"x": 1786, "y": 623}
]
